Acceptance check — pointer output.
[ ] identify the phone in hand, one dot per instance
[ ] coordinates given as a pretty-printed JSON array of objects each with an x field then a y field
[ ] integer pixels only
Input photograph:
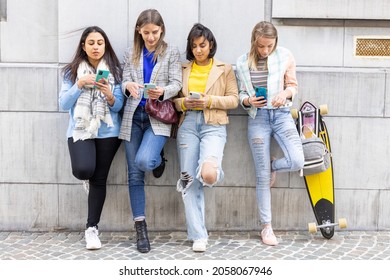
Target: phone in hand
[
  {"x": 148, "y": 86},
  {"x": 195, "y": 95},
  {"x": 101, "y": 74},
  {"x": 261, "y": 91}
]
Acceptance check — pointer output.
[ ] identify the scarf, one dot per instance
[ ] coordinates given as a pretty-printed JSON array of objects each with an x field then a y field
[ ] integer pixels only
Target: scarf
[{"x": 91, "y": 106}]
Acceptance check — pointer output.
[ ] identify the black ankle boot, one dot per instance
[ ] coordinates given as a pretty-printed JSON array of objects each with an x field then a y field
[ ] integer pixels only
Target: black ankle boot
[
  {"x": 143, "y": 244},
  {"x": 159, "y": 170}
]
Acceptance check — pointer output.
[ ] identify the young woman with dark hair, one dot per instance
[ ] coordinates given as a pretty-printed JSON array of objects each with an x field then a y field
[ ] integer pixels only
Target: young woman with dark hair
[
  {"x": 94, "y": 121},
  {"x": 202, "y": 133}
]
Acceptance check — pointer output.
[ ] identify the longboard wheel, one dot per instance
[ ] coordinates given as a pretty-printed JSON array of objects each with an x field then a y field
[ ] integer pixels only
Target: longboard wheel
[
  {"x": 342, "y": 222},
  {"x": 323, "y": 109},
  {"x": 312, "y": 227},
  {"x": 294, "y": 113}
]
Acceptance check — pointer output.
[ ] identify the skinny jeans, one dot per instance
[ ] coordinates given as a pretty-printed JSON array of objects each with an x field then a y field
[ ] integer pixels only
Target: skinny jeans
[{"x": 279, "y": 124}]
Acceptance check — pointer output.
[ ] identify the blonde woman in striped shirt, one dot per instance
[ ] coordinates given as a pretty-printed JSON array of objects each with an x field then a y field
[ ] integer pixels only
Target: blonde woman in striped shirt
[{"x": 269, "y": 68}]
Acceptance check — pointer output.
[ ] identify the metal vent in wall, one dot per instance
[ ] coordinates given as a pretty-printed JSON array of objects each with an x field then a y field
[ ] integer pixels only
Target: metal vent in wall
[{"x": 372, "y": 46}]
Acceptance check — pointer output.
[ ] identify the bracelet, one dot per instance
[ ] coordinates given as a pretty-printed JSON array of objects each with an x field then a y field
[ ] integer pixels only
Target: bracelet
[
  {"x": 210, "y": 101},
  {"x": 183, "y": 107},
  {"x": 249, "y": 102},
  {"x": 112, "y": 98}
]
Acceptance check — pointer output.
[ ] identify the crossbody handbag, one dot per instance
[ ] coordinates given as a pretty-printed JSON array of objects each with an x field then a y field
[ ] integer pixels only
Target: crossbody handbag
[{"x": 164, "y": 111}]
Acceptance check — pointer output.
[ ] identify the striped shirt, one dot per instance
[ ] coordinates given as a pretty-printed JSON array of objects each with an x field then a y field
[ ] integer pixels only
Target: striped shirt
[
  {"x": 259, "y": 77},
  {"x": 281, "y": 76}
]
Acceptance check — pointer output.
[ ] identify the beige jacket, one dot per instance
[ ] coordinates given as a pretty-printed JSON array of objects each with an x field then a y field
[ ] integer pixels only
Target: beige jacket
[{"x": 221, "y": 84}]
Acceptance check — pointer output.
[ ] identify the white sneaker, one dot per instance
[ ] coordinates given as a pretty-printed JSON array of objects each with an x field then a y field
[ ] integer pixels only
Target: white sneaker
[
  {"x": 92, "y": 239},
  {"x": 86, "y": 186},
  {"x": 199, "y": 245}
]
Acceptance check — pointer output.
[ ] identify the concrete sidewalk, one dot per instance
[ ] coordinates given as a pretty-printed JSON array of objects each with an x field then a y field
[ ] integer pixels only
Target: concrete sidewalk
[{"x": 294, "y": 245}]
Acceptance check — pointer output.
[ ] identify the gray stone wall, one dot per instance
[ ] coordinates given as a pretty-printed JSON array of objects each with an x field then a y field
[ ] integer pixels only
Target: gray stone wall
[{"x": 38, "y": 191}]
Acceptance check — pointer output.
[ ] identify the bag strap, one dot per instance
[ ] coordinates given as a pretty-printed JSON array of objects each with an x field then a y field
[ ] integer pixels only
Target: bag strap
[{"x": 158, "y": 70}]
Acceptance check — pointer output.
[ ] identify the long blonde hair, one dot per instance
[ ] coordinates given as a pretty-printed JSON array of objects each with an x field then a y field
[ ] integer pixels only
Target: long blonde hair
[
  {"x": 262, "y": 29},
  {"x": 148, "y": 16}
]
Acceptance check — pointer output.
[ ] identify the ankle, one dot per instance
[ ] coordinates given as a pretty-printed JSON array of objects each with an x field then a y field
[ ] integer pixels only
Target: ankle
[{"x": 267, "y": 226}]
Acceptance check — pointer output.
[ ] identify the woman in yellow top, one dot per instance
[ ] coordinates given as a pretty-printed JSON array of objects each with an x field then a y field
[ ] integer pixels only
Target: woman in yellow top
[{"x": 201, "y": 135}]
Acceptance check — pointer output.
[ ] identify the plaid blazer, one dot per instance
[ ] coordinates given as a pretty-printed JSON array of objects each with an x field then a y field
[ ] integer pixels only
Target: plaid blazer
[{"x": 169, "y": 77}]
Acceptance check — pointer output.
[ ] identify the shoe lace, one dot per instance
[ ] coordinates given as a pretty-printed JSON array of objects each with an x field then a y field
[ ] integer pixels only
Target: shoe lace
[
  {"x": 141, "y": 230},
  {"x": 268, "y": 232},
  {"x": 92, "y": 233}
]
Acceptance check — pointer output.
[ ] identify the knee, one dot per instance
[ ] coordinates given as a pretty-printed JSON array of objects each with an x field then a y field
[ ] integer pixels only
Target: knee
[
  {"x": 209, "y": 172},
  {"x": 145, "y": 164},
  {"x": 209, "y": 178},
  {"x": 82, "y": 173}
]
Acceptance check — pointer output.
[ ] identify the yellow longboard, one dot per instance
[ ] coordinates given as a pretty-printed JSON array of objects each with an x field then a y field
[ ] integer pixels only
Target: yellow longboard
[{"x": 319, "y": 186}]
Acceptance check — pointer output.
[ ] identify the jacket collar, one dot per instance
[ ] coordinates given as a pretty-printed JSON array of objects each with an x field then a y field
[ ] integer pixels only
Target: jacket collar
[{"x": 217, "y": 69}]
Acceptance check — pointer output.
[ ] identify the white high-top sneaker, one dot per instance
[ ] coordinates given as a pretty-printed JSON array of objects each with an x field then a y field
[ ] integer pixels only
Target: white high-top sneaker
[{"x": 92, "y": 239}]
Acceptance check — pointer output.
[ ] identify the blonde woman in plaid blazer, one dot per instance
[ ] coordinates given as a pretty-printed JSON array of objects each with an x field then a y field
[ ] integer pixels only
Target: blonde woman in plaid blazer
[{"x": 150, "y": 60}]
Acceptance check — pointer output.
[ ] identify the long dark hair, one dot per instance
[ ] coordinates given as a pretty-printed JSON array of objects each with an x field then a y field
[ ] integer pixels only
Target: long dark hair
[
  {"x": 199, "y": 30},
  {"x": 70, "y": 70}
]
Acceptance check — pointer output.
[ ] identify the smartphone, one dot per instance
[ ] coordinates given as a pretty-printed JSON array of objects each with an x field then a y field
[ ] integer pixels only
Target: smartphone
[
  {"x": 195, "y": 95},
  {"x": 101, "y": 74},
  {"x": 148, "y": 86},
  {"x": 261, "y": 91}
]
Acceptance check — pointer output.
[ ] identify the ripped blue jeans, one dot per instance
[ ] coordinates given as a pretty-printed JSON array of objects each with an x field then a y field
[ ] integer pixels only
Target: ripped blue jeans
[
  {"x": 279, "y": 124},
  {"x": 198, "y": 144}
]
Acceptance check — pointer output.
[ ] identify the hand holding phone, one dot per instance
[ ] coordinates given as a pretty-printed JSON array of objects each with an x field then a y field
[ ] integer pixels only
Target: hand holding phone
[
  {"x": 195, "y": 95},
  {"x": 101, "y": 74},
  {"x": 148, "y": 86},
  {"x": 261, "y": 91}
]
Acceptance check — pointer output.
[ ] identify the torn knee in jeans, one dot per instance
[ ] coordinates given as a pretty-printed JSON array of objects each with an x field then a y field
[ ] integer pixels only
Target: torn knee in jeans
[
  {"x": 257, "y": 140},
  {"x": 184, "y": 182},
  {"x": 210, "y": 171}
]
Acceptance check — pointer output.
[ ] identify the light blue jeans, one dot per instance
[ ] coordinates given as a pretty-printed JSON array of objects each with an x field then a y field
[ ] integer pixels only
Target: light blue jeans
[
  {"x": 279, "y": 124},
  {"x": 142, "y": 154},
  {"x": 198, "y": 143}
]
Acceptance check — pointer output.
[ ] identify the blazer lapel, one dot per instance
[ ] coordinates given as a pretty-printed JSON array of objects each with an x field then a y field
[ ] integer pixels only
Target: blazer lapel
[
  {"x": 186, "y": 76},
  {"x": 140, "y": 71},
  {"x": 215, "y": 72}
]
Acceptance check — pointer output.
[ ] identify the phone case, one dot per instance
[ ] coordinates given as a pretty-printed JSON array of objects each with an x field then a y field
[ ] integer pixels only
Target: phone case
[
  {"x": 100, "y": 74},
  {"x": 261, "y": 91},
  {"x": 149, "y": 86},
  {"x": 195, "y": 95}
]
